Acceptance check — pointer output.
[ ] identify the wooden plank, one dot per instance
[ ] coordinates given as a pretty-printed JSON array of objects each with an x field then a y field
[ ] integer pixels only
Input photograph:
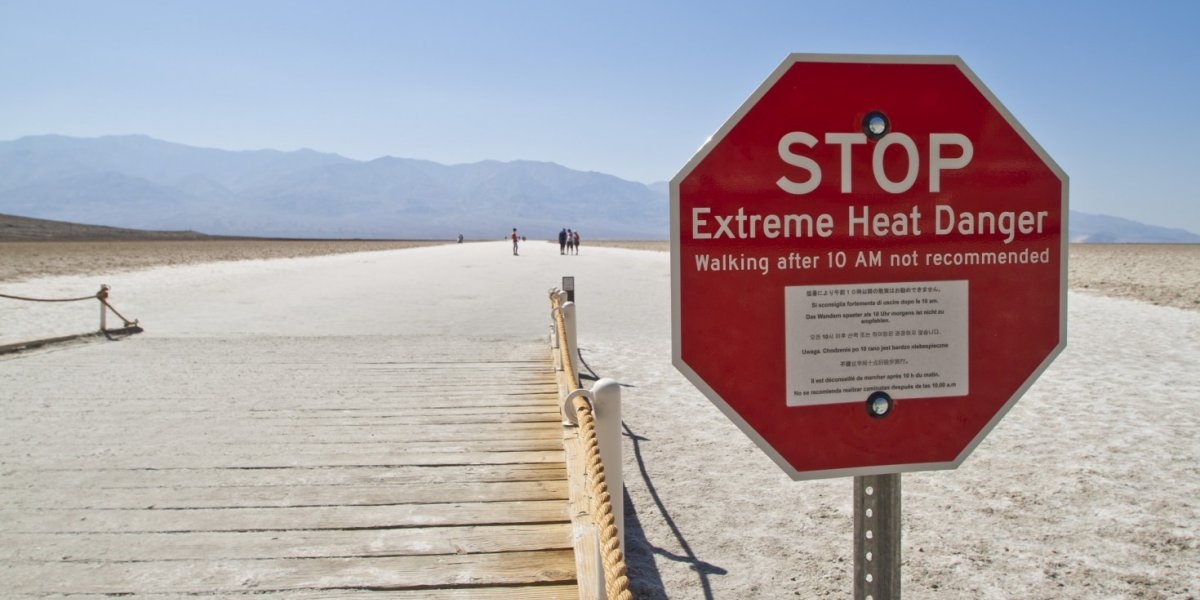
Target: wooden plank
[
  {"x": 235, "y": 410},
  {"x": 536, "y": 426},
  {"x": 556, "y": 591},
  {"x": 76, "y": 479},
  {"x": 357, "y": 396},
  {"x": 264, "y": 496},
  {"x": 494, "y": 418},
  {"x": 316, "y": 461},
  {"x": 84, "y": 520},
  {"x": 236, "y": 575},
  {"x": 120, "y": 547},
  {"x": 136, "y": 402},
  {"x": 129, "y": 449},
  {"x": 279, "y": 433},
  {"x": 290, "y": 476},
  {"x": 458, "y": 439},
  {"x": 233, "y": 414},
  {"x": 539, "y": 403}
]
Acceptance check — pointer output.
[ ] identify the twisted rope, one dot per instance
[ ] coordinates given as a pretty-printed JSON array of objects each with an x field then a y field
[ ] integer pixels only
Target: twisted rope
[
  {"x": 616, "y": 577},
  {"x": 92, "y": 297}
]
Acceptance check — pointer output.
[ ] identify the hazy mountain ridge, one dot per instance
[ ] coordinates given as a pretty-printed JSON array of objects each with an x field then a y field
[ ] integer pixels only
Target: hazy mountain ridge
[
  {"x": 1104, "y": 229},
  {"x": 144, "y": 183},
  {"x": 140, "y": 182}
]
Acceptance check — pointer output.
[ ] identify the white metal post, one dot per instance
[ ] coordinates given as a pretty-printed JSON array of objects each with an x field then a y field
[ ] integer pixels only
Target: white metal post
[
  {"x": 569, "y": 287},
  {"x": 606, "y": 403},
  {"x": 102, "y": 295},
  {"x": 568, "y": 310}
]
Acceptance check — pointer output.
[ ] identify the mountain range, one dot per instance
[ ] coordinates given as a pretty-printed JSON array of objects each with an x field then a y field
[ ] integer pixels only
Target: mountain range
[
  {"x": 1102, "y": 229},
  {"x": 143, "y": 183},
  {"x": 139, "y": 182}
]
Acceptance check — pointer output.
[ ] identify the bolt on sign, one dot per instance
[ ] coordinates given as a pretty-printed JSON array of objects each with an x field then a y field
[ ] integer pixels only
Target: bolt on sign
[{"x": 869, "y": 264}]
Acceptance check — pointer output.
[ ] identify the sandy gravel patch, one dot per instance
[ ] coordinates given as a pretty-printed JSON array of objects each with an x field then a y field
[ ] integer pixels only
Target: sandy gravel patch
[
  {"x": 1163, "y": 274},
  {"x": 27, "y": 260}
]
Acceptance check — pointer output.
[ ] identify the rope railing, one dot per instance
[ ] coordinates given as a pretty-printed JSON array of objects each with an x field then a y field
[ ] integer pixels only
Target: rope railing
[
  {"x": 616, "y": 576},
  {"x": 128, "y": 327},
  {"x": 47, "y": 299}
]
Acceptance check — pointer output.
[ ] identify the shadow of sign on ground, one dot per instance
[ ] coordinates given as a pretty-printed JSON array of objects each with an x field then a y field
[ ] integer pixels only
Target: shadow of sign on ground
[{"x": 645, "y": 580}]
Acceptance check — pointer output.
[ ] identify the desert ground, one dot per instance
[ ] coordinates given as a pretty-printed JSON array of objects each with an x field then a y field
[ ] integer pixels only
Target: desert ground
[
  {"x": 1161, "y": 274},
  {"x": 1089, "y": 487}
]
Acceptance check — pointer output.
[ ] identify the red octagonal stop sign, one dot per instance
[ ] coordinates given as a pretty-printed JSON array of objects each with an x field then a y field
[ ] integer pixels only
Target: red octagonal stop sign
[{"x": 868, "y": 264}]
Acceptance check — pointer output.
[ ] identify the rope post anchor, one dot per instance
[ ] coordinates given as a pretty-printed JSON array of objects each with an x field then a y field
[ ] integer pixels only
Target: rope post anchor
[
  {"x": 570, "y": 418},
  {"x": 102, "y": 296}
]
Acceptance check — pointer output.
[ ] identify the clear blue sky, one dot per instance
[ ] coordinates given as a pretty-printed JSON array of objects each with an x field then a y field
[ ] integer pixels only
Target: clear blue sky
[{"x": 632, "y": 88}]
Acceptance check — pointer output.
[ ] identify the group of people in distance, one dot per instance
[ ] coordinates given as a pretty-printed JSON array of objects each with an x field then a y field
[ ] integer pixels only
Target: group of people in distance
[{"x": 568, "y": 241}]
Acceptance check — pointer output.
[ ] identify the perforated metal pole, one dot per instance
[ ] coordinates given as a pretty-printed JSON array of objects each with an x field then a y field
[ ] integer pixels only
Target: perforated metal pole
[
  {"x": 877, "y": 537},
  {"x": 568, "y": 286}
]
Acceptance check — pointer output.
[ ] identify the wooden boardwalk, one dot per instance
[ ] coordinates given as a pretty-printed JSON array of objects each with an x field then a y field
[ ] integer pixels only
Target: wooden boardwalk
[{"x": 284, "y": 467}]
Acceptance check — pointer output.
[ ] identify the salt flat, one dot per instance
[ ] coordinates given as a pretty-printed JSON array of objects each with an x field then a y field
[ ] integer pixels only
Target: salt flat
[
  {"x": 1090, "y": 486},
  {"x": 262, "y": 443}
]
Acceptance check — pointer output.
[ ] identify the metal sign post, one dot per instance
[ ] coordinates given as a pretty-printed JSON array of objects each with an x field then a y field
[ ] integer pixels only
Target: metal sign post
[
  {"x": 877, "y": 537},
  {"x": 568, "y": 286}
]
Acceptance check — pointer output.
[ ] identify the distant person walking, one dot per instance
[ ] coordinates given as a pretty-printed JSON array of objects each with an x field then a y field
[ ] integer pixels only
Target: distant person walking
[
  {"x": 570, "y": 242},
  {"x": 515, "y": 239},
  {"x": 562, "y": 241},
  {"x": 575, "y": 241}
]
